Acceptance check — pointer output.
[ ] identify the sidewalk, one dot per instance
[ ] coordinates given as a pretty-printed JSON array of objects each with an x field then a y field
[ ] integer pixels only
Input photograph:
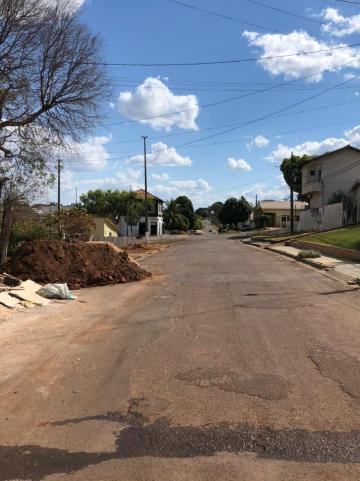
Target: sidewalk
[{"x": 347, "y": 270}]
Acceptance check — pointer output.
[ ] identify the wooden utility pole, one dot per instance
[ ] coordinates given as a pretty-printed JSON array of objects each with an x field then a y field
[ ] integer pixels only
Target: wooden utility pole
[
  {"x": 59, "y": 196},
  {"x": 292, "y": 200},
  {"x": 146, "y": 193}
]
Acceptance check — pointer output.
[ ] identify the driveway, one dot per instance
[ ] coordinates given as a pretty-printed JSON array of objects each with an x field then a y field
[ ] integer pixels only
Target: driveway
[{"x": 232, "y": 363}]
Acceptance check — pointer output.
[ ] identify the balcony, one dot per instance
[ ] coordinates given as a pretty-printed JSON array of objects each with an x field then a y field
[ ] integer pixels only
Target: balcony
[{"x": 311, "y": 186}]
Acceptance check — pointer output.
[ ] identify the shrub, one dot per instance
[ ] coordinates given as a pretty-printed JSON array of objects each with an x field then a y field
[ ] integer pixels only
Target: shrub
[
  {"x": 24, "y": 231},
  {"x": 309, "y": 254}
]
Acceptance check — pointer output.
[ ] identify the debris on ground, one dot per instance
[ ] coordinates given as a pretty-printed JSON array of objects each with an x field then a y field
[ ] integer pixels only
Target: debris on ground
[
  {"x": 82, "y": 264},
  {"x": 139, "y": 250},
  {"x": 56, "y": 291}
]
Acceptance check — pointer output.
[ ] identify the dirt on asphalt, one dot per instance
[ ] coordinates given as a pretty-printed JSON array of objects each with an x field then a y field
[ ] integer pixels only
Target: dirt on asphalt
[{"x": 81, "y": 264}]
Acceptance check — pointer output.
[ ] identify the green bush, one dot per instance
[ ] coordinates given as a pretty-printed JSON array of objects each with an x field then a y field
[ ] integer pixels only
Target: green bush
[
  {"x": 24, "y": 231},
  {"x": 309, "y": 254}
]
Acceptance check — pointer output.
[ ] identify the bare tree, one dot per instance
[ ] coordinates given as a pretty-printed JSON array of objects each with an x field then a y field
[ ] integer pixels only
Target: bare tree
[{"x": 52, "y": 84}]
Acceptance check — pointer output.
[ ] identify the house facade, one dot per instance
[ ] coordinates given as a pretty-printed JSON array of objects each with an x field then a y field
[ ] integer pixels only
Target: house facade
[
  {"x": 323, "y": 177},
  {"x": 279, "y": 212},
  {"x": 104, "y": 228},
  {"x": 155, "y": 218}
]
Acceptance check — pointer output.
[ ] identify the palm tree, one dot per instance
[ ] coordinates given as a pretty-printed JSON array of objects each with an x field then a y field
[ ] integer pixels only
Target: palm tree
[{"x": 173, "y": 218}]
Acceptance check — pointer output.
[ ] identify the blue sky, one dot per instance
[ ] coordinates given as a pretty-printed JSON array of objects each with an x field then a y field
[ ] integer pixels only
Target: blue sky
[{"x": 244, "y": 161}]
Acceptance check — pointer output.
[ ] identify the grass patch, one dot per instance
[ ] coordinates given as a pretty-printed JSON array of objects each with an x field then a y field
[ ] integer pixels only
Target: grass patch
[
  {"x": 309, "y": 254},
  {"x": 346, "y": 238}
]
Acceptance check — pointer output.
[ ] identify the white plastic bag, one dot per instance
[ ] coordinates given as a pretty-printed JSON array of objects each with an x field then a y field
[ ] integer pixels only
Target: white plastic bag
[{"x": 56, "y": 291}]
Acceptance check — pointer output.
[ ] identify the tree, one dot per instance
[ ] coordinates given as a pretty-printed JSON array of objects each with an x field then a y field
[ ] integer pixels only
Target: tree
[
  {"x": 173, "y": 218},
  {"x": 215, "y": 210},
  {"x": 135, "y": 209},
  {"x": 75, "y": 224},
  {"x": 292, "y": 172},
  {"x": 244, "y": 209},
  {"x": 202, "y": 212},
  {"x": 106, "y": 203},
  {"x": 52, "y": 85},
  {"x": 235, "y": 211},
  {"x": 186, "y": 208},
  {"x": 198, "y": 223}
]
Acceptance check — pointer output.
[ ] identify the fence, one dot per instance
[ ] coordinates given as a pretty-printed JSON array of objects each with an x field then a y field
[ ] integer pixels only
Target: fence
[{"x": 123, "y": 241}]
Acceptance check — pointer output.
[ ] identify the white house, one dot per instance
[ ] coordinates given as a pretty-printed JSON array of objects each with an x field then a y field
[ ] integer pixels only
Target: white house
[
  {"x": 324, "y": 176},
  {"x": 155, "y": 218}
]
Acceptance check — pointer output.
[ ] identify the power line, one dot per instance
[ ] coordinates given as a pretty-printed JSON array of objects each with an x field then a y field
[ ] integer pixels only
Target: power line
[
  {"x": 271, "y": 114},
  {"x": 286, "y": 12},
  {"x": 348, "y": 1},
  {"x": 222, "y": 62},
  {"x": 224, "y": 17},
  {"x": 230, "y": 99}
]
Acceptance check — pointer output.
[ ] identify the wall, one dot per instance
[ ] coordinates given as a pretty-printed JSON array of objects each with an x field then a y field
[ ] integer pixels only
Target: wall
[
  {"x": 332, "y": 251},
  {"x": 325, "y": 218},
  {"x": 135, "y": 229},
  {"x": 102, "y": 229}
]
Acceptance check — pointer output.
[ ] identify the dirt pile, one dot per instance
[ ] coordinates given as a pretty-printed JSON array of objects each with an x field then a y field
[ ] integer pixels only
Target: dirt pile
[{"x": 79, "y": 265}]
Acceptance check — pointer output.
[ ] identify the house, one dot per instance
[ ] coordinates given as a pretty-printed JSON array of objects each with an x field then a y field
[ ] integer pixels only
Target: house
[
  {"x": 279, "y": 211},
  {"x": 323, "y": 177},
  {"x": 155, "y": 218},
  {"x": 46, "y": 209},
  {"x": 105, "y": 228}
]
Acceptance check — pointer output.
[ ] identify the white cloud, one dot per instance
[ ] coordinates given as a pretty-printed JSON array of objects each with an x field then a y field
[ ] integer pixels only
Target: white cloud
[
  {"x": 160, "y": 177},
  {"x": 199, "y": 184},
  {"x": 90, "y": 154},
  {"x": 309, "y": 147},
  {"x": 122, "y": 178},
  {"x": 238, "y": 164},
  {"x": 263, "y": 191},
  {"x": 317, "y": 147},
  {"x": 195, "y": 188},
  {"x": 274, "y": 45},
  {"x": 338, "y": 25},
  {"x": 261, "y": 141},
  {"x": 152, "y": 99},
  {"x": 71, "y": 5},
  {"x": 162, "y": 155}
]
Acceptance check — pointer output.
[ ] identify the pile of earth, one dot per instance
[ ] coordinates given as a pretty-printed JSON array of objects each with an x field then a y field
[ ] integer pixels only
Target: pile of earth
[{"x": 79, "y": 265}]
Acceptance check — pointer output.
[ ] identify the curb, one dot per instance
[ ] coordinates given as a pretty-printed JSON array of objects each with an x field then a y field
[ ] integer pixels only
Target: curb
[{"x": 304, "y": 261}]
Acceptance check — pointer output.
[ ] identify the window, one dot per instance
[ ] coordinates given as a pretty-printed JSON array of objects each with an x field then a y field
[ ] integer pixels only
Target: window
[
  {"x": 312, "y": 173},
  {"x": 319, "y": 174}
]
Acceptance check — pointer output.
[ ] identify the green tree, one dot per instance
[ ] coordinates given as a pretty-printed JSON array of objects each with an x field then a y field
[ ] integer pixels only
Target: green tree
[
  {"x": 292, "y": 172},
  {"x": 186, "y": 208},
  {"x": 198, "y": 223},
  {"x": 107, "y": 203},
  {"x": 75, "y": 224},
  {"x": 135, "y": 209},
  {"x": 235, "y": 211},
  {"x": 215, "y": 210},
  {"x": 202, "y": 212},
  {"x": 244, "y": 209},
  {"x": 173, "y": 218}
]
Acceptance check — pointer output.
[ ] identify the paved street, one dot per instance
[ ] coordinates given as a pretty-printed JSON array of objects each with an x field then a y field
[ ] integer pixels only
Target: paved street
[{"x": 232, "y": 363}]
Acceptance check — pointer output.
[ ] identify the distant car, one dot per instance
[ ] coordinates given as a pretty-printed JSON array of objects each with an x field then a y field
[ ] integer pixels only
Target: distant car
[{"x": 198, "y": 232}]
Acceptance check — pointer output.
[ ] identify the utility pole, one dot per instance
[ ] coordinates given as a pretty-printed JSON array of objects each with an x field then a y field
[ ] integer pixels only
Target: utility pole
[
  {"x": 76, "y": 196},
  {"x": 292, "y": 199},
  {"x": 59, "y": 166},
  {"x": 146, "y": 193}
]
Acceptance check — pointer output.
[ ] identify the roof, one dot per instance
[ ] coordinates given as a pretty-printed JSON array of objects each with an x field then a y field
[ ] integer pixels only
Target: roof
[
  {"x": 107, "y": 221},
  {"x": 281, "y": 205},
  {"x": 141, "y": 193},
  {"x": 326, "y": 154}
]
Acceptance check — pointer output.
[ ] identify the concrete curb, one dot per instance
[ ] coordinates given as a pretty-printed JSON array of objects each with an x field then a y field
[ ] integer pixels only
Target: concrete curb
[{"x": 309, "y": 262}]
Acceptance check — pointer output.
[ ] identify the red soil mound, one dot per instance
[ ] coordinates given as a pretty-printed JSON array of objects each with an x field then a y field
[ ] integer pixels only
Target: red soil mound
[{"x": 79, "y": 265}]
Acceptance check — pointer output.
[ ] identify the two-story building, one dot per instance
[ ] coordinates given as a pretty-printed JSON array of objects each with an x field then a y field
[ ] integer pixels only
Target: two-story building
[
  {"x": 155, "y": 218},
  {"x": 323, "y": 177}
]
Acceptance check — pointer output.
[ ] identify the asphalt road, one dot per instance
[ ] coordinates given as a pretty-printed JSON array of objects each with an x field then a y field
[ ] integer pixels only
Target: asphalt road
[{"x": 232, "y": 363}]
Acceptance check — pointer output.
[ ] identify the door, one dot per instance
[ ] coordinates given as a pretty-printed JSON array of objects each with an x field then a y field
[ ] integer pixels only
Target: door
[
  {"x": 141, "y": 228},
  {"x": 283, "y": 221}
]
